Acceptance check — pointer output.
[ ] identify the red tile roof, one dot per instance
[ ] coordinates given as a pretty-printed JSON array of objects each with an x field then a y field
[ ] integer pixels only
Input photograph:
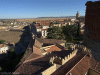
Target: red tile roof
[
  {"x": 36, "y": 66},
  {"x": 45, "y": 23},
  {"x": 53, "y": 48},
  {"x": 98, "y": 67},
  {"x": 69, "y": 65},
  {"x": 93, "y": 63},
  {"x": 31, "y": 57},
  {"x": 81, "y": 67},
  {"x": 37, "y": 50},
  {"x": 51, "y": 41},
  {"x": 3, "y": 45},
  {"x": 44, "y": 29}
]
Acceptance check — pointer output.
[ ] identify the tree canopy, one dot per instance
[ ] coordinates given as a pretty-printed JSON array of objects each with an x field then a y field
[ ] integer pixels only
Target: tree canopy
[
  {"x": 54, "y": 32},
  {"x": 68, "y": 32},
  {"x": 78, "y": 30}
]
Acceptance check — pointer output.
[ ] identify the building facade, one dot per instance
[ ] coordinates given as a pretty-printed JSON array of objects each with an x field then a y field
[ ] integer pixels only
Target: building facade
[
  {"x": 77, "y": 15},
  {"x": 3, "y": 48},
  {"x": 92, "y": 26}
]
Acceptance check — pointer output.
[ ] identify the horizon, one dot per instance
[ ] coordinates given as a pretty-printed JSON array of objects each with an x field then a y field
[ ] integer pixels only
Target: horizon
[
  {"x": 48, "y": 17},
  {"x": 18, "y": 9}
]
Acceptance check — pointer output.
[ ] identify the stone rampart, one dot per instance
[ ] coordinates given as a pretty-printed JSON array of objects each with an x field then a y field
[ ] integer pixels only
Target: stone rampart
[
  {"x": 81, "y": 47},
  {"x": 66, "y": 58},
  {"x": 50, "y": 70}
]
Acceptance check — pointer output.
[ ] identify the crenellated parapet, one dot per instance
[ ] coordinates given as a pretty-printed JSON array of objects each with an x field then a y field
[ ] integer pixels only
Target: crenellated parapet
[
  {"x": 80, "y": 47},
  {"x": 56, "y": 59}
]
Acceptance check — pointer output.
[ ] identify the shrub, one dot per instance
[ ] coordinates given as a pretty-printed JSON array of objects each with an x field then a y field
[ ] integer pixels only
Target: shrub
[
  {"x": 0, "y": 68},
  {"x": 12, "y": 50},
  {"x": 2, "y": 41}
]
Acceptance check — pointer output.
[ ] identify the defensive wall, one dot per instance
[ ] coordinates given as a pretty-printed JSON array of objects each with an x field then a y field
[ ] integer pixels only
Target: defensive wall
[
  {"x": 65, "y": 59},
  {"x": 50, "y": 70},
  {"x": 62, "y": 61}
]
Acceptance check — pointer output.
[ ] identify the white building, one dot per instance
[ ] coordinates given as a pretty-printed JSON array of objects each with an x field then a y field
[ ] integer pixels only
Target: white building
[
  {"x": 73, "y": 20},
  {"x": 15, "y": 26},
  {"x": 45, "y": 27},
  {"x": 12, "y": 23},
  {"x": 3, "y": 48},
  {"x": 44, "y": 33},
  {"x": 38, "y": 29}
]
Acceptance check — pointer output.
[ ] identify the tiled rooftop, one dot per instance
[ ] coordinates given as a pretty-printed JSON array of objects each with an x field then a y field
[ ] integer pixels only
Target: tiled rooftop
[
  {"x": 3, "y": 45},
  {"x": 98, "y": 67},
  {"x": 81, "y": 68},
  {"x": 70, "y": 64},
  {"x": 53, "y": 48},
  {"x": 37, "y": 50},
  {"x": 36, "y": 66},
  {"x": 52, "y": 41},
  {"x": 32, "y": 56}
]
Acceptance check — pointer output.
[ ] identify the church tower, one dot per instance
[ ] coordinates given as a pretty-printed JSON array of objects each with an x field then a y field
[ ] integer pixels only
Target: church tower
[{"x": 77, "y": 15}]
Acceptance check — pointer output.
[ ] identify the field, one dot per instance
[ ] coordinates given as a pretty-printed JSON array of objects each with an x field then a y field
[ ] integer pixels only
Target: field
[
  {"x": 35, "y": 19},
  {"x": 10, "y": 36}
]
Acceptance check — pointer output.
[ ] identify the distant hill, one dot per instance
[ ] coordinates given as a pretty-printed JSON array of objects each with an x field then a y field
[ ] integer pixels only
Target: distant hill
[
  {"x": 42, "y": 18},
  {"x": 60, "y": 17}
]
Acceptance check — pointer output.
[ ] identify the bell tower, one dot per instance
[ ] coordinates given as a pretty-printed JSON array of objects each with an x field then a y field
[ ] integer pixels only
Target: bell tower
[{"x": 77, "y": 15}]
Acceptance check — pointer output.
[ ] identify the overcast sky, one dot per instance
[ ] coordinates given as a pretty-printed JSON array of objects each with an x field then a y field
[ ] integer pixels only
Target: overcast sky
[{"x": 12, "y": 9}]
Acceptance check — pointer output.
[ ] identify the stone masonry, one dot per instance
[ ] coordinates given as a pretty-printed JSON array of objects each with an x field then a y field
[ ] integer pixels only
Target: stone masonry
[{"x": 92, "y": 27}]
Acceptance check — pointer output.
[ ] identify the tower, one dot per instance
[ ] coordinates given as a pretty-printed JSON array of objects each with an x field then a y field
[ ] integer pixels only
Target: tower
[
  {"x": 92, "y": 26},
  {"x": 77, "y": 15}
]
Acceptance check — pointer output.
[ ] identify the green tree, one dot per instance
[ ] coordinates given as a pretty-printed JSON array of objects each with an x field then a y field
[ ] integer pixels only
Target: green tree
[
  {"x": 51, "y": 24},
  {"x": 54, "y": 32},
  {"x": 12, "y": 50},
  {"x": 70, "y": 39},
  {"x": 2, "y": 41},
  {"x": 69, "y": 30},
  {"x": 79, "y": 31},
  {"x": 34, "y": 22},
  {"x": 0, "y": 68}
]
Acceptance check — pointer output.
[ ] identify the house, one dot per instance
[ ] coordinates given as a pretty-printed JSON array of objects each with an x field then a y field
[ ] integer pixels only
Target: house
[
  {"x": 73, "y": 20},
  {"x": 82, "y": 25},
  {"x": 1, "y": 23},
  {"x": 58, "y": 24},
  {"x": 3, "y": 48},
  {"x": 3, "y": 27},
  {"x": 43, "y": 46},
  {"x": 41, "y": 27},
  {"x": 12, "y": 23}
]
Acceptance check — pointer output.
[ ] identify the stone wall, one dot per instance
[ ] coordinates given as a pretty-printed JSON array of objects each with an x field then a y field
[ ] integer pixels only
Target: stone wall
[
  {"x": 37, "y": 43},
  {"x": 62, "y": 44},
  {"x": 66, "y": 58},
  {"x": 50, "y": 70},
  {"x": 84, "y": 49},
  {"x": 92, "y": 26},
  {"x": 93, "y": 49}
]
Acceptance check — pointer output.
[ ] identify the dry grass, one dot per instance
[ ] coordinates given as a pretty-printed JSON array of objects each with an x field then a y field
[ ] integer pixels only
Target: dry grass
[
  {"x": 10, "y": 36},
  {"x": 31, "y": 20}
]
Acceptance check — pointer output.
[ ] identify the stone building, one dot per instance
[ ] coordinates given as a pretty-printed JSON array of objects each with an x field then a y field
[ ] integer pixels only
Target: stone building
[
  {"x": 77, "y": 15},
  {"x": 80, "y": 18},
  {"x": 3, "y": 48},
  {"x": 92, "y": 26}
]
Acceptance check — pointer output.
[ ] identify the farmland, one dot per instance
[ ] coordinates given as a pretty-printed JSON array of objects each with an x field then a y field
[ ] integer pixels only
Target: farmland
[{"x": 10, "y": 36}]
